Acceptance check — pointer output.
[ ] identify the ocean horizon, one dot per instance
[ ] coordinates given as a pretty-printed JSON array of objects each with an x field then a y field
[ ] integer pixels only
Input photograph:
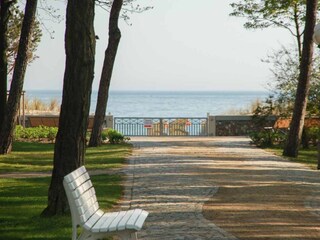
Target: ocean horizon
[{"x": 166, "y": 103}]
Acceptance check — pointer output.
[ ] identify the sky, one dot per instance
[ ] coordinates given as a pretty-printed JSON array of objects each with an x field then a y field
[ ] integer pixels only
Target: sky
[{"x": 179, "y": 45}]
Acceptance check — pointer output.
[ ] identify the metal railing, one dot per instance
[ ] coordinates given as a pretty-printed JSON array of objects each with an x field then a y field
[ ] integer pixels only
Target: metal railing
[{"x": 129, "y": 126}]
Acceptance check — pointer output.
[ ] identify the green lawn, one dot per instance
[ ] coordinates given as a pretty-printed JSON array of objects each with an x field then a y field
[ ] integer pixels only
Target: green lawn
[
  {"x": 22, "y": 200},
  {"x": 306, "y": 156},
  {"x": 38, "y": 157}
]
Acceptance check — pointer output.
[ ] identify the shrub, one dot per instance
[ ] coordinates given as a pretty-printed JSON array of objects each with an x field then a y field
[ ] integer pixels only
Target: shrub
[
  {"x": 104, "y": 135},
  {"x": 52, "y": 133},
  {"x": 18, "y": 132},
  {"x": 312, "y": 135},
  {"x": 113, "y": 136},
  {"x": 268, "y": 138},
  {"x": 35, "y": 133}
]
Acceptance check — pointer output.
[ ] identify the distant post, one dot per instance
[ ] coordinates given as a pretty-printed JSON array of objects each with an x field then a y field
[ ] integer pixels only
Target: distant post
[
  {"x": 109, "y": 121},
  {"x": 211, "y": 125},
  {"x": 161, "y": 127}
]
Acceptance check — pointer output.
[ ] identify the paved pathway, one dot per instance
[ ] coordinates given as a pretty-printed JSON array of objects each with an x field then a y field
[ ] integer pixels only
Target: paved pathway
[
  {"x": 172, "y": 178},
  {"x": 167, "y": 182}
]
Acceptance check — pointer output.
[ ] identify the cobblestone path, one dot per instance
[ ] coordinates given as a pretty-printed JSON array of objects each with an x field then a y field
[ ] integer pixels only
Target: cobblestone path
[
  {"x": 166, "y": 178},
  {"x": 175, "y": 179}
]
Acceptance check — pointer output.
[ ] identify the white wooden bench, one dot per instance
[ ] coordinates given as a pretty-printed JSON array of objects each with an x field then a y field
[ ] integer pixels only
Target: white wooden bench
[{"x": 86, "y": 214}]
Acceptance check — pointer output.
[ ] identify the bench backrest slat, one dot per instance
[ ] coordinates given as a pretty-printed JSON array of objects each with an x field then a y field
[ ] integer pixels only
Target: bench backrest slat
[
  {"x": 88, "y": 203},
  {"x": 87, "y": 195},
  {"x": 81, "y": 189},
  {"x": 83, "y": 201},
  {"x": 75, "y": 174},
  {"x": 88, "y": 213},
  {"x": 79, "y": 181}
]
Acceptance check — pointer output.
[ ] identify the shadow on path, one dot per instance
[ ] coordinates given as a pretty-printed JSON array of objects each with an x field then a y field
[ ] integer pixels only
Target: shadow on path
[{"x": 242, "y": 191}]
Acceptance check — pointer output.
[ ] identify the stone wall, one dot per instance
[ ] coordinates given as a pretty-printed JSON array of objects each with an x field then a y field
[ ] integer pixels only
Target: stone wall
[{"x": 237, "y": 125}]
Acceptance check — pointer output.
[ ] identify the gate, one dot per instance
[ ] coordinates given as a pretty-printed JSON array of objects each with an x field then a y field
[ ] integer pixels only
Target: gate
[{"x": 161, "y": 126}]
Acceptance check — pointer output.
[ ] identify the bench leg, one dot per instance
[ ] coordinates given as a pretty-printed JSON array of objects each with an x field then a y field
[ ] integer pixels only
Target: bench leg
[
  {"x": 74, "y": 232},
  {"x": 134, "y": 236}
]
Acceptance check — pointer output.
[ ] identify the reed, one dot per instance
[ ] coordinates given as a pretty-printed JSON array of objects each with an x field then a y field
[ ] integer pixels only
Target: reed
[
  {"x": 54, "y": 105},
  {"x": 37, "y": 105}
]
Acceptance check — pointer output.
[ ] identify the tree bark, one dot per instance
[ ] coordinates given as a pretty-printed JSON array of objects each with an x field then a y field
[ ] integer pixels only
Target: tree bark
[
  {"x": 4, "y": 18},
  {"x": 79, "y": 72},
  {"x": 298, "y": 34},
  {"x": 10, "y": 117},
  {"x": 294, "y": 137},
  {"x": 109, "y": 59}
]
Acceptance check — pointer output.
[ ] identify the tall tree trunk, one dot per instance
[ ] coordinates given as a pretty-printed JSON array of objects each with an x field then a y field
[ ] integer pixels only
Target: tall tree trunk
[
  {"x": 298, "y": 35},
  {"x": 10, "y": 118},
  {"x": 292, "y": 146},
  {"x": 109, "y": 59},
  {"x": 297, "y": 27},
  {"x": 79, "y": 72},
  {"x": 4, "y": 18}
]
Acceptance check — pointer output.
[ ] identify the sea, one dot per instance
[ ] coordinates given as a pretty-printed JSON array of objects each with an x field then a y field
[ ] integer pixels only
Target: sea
[{"x": 167, "y": 103}]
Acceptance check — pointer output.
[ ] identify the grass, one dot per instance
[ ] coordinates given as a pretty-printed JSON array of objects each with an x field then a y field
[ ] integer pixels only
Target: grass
[
  {"x": 38, "y": 157},
  {"x": 23, "y": 199},
  {"x": 306, "y": 156}
]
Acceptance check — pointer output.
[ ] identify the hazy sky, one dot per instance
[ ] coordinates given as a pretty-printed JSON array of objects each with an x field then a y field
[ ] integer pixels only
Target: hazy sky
[{"x": 178, "y": 45}]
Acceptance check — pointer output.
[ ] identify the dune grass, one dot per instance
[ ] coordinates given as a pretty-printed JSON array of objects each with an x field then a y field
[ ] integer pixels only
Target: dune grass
[{"x": 23, "y": 199}]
